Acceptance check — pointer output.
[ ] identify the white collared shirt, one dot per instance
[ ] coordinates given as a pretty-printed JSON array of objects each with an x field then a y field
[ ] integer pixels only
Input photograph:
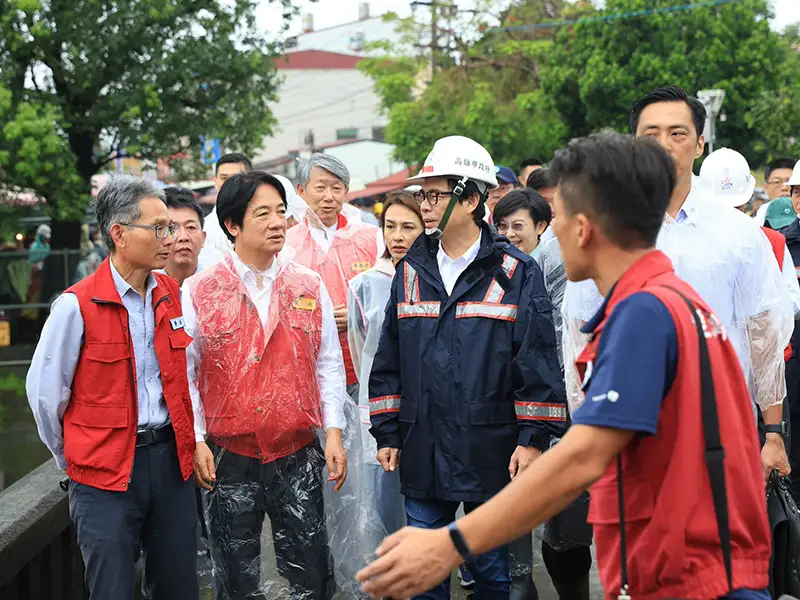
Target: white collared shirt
[
  {"x": 450, "y": 270},
  {"x": 728, "y": 260},
  {"x": 330, "y": 366},
  {"x": 49, "y": 380}
]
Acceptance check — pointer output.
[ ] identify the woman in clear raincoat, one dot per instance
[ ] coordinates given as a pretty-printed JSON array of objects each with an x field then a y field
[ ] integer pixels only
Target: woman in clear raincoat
[{"x": 368, "y": 293}]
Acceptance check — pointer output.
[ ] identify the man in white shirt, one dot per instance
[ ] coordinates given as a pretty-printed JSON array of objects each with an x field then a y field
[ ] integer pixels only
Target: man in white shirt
[
  {"x": 265, "y": 371},
  {"x": 722, "y": 254},
  {"x": 217, "y": 242},
  {"x": 330, "y": 243},
  {"x": 187, "y": 216}
]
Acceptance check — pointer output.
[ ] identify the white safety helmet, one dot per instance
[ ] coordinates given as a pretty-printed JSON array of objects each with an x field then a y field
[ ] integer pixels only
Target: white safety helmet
[
  {"x": 728, "y": 174},
  {"x": 458, "y": 157},
  {"x": 795, "y": 178}
]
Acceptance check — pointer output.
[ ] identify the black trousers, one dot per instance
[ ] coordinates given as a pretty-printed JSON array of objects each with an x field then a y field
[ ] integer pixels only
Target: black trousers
[
  {"x": 157, "y": 513},
  {"x": 290, "y": 492}
]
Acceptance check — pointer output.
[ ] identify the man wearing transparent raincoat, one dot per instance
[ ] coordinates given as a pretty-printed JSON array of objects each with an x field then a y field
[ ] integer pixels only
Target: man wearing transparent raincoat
[
  {"x": 336, "y": 245},
  {"x": 722, "y": 254},
  {"x": 265, "y": 371}
]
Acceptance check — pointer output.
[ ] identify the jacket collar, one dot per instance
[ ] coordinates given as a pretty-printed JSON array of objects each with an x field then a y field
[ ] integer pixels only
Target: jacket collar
[
  {"x": 650, "y": 265},
  {"x": 385, "y": 266},
  {"x": 423, "y": 251}
]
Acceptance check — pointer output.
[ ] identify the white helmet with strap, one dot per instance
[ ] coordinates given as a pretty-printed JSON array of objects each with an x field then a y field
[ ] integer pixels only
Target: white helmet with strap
[
  {"x": 795, "y": 178},
  {"x": 461, "y": 158},
  {"x": 729, "y": 175}
]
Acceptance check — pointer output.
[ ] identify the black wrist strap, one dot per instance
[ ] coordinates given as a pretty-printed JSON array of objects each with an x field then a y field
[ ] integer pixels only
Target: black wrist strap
[{"x": 460, "y": 543}]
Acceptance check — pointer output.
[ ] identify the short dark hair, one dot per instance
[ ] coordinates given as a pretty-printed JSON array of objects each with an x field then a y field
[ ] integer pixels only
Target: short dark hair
[
  {"x": 539, "y": 179},
  {"x": 523, "y": 199},
  {"x": 471, "y": 188},
  {"x": 403, "y": 198},
  {"x": 178, "y": 197},
  {"x": 235, "y": 195},
  {"x": 669, "y": 93},
  {"x": 778, "y": 163},
  {"x": 234, "y": 158},
  {"x": 530, "y": 162},
  {"x": 622, "y": 182}
]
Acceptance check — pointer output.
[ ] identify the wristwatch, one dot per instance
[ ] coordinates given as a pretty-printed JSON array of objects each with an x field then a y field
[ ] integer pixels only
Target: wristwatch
[{"x": 782, "y": 429}]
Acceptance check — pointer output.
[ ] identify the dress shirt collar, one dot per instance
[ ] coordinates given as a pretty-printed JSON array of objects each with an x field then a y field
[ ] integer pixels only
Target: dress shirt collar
[
  {"x": 123, "y": 287},
  {"x": 466, "y": 258},
  {"x": 247, "y": 275},
  {"x": 691, "y": 204}
]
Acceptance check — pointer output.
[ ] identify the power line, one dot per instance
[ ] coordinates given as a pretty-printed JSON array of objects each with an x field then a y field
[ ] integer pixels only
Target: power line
[{"x": 614, "y": 16}]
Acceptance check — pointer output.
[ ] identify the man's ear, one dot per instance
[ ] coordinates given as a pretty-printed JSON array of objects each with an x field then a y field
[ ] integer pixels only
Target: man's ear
[
  {"x": 585, "y": 229},
  {"x": 301, "y": 190},
  {"x": 116, "y": 232},
  {"x": 701, "y": 146},
  {"x": 232, "y": 229}
]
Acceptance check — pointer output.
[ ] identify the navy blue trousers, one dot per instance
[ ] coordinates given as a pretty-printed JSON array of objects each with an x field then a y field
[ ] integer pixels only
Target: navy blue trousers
[{"x": 158, "y": 513}]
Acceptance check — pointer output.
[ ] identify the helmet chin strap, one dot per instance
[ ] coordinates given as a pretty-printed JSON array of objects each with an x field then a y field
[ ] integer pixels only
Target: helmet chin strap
[{"x": 455, "y": 195}]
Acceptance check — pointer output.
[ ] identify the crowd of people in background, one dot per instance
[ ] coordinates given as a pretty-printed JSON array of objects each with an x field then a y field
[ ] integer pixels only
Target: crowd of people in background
[{"x": 492, "y": 352}]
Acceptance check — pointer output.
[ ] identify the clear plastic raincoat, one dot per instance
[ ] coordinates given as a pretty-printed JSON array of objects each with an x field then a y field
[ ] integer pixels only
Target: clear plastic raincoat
[
  {"x": 555, "y": 281},
  {"x": 728, "y": 260},
  {"x": 262, "y": 397},
  {"x": 366, "y": 307},
  {"x": 338, "y": 254}
]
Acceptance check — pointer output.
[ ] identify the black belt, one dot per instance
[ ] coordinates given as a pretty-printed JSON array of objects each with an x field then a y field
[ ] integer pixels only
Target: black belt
[{"x": 154, "y": 436}]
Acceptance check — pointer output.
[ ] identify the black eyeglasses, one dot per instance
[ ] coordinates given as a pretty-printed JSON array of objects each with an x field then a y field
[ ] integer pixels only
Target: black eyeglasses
[
  {"x": 161, "y": 231},
  {"x": 432, "y": 196}
]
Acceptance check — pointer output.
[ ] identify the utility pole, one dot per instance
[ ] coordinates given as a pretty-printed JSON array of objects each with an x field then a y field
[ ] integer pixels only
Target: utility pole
[{"x": 434, "y": 45}]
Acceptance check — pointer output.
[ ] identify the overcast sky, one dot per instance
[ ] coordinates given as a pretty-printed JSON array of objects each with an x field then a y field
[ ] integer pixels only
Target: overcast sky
[{"x": 335, "y": 12}]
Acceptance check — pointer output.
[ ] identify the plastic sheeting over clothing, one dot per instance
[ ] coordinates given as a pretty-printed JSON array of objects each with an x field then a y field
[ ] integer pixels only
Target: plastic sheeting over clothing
[
  {"x": 352, "y": 248},
  {"x": 366, "y": 308},
  {"x": 555, "y": 281},
  {"x": 727, "y": 259},
  {"x": 262, "y": 406}
]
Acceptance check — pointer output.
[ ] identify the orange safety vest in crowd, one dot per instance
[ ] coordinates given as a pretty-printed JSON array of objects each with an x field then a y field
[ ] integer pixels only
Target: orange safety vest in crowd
[
  {"x": 259, "y": 383},
  {"x": 778, "y": 242},
  {"x": 673, "y": 544},
  {"x": 101, "y": 419},
  {"x": 354, "y": 250}
]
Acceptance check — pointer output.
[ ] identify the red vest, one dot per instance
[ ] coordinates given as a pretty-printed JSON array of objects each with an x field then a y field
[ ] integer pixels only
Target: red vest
[
  {"x": 354, "y": 250},
  {"x": 778, "y": 243},
  {"x": 673, "y": 543},
  {"x": 259, "y": 384},
  {"x": 102, "y": 416}
]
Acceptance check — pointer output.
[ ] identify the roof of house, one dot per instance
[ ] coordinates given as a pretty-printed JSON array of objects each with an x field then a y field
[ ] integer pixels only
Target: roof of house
[
  {"x": 317, "y": 59},
  {"x": 396, "y": 181}
]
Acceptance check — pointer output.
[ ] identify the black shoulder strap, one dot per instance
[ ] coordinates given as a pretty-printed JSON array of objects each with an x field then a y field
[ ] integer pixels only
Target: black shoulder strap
[{"x": 714, "y": 453}]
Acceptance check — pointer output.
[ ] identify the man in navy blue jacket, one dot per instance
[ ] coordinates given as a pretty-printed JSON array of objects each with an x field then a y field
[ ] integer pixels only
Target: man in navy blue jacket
[{"x": 466, "y": 381}]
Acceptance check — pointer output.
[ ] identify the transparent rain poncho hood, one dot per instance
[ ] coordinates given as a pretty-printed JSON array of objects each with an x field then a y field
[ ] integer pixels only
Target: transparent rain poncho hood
[
  {"x": 276, "y": 527},
  {"x": 728, "y": 260}
]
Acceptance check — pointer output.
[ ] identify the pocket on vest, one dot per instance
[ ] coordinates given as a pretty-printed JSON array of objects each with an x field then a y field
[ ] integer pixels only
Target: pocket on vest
[{"x": 94, "y": 435}]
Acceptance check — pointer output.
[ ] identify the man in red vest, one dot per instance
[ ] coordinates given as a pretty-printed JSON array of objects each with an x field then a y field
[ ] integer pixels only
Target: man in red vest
[
  {"x": 677, "y": 494},
  {"x": 265, "y": 371},
  {"x": 331, "y": 244},
  {"x": 108, "y": 389}
]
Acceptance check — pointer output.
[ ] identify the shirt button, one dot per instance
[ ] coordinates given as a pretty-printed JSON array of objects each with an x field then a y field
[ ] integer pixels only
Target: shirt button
[{"x": 259, "y": 410}]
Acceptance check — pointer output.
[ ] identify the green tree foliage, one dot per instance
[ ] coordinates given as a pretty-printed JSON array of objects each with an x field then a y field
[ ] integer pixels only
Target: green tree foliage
[
  {"x": 486, "y": 89},
  {"x": 597, "y": 69},
  {"x": 525, "y": 91},
  {"x": 81, "y": 78}
]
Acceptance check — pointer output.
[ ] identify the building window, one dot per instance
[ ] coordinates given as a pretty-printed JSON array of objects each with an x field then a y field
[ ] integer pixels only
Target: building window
[
  {"x": 350, "y": 133},
  {"x": 379, "y": 134}
]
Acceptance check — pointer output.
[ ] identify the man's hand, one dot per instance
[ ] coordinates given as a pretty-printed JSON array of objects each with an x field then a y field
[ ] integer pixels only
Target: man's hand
[
  {"x": 389, "y": 458},
  {"x": 773, "y": 457},
  {"x": 205, "y": 474},
  {"x": 340, "y": 314},
  {"x": 410, "y": 562},
  {"x": 336, "y": 458},
  {"x": 521, "y": 459}
]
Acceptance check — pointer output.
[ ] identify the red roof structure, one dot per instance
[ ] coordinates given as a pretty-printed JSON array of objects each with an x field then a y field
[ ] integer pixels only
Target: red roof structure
[
  {"x": 317, "y": 59},
  {"x": 381, "y": 186}
]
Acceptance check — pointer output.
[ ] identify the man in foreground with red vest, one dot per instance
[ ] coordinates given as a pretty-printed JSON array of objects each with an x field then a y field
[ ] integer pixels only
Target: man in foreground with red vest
[
  {"x": 653, "y": 373},
  {"x": 327, "y": 242},
  {"x": 265, "y": 371},
  {"x": 108, "y": 389}
]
